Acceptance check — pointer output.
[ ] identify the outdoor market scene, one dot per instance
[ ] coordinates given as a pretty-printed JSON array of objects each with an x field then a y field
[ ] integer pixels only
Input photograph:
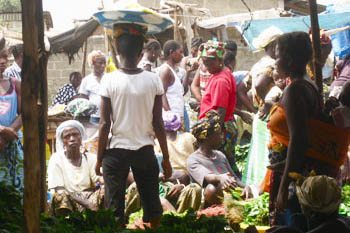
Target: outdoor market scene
[{"x": 131, "y": 116}]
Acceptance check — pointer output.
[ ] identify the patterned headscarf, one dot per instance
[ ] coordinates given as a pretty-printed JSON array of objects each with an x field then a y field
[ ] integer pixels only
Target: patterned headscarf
[
  {"x": 207, "y": 126},
  {"x": 172, "y": 121},
  {"x": 129, "y": 28},
  {"x": 212, "y": 49},
  {"x": 319, "y": 194}
]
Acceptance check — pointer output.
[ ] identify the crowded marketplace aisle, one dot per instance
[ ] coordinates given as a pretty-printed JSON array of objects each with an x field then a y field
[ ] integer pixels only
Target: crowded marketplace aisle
[{"x": 167, "y": 133}]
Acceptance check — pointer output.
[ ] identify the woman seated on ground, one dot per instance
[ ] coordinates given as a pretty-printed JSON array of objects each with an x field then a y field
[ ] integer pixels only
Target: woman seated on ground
[
  {"x": 69, "y": 91},
  {"x": 71, "y": 173},
  {"x": 320, "y": 197},
  {"x": 177, "y": 193},
  {"x": 208, "y": 166}
]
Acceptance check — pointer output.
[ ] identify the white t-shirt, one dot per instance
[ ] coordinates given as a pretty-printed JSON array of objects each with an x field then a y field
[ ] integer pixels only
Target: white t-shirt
[
  {"x": 90, "y": 86},
  {"x": 61, "y": 173},
  {"x": 132, "y": 98}
]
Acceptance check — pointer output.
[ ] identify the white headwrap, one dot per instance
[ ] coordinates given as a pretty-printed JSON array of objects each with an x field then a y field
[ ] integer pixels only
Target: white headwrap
[{"x": 65, "y": 125}]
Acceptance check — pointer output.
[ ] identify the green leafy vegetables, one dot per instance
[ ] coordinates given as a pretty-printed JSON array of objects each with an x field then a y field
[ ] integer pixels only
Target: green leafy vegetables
[{"x": 344, "y": 208}]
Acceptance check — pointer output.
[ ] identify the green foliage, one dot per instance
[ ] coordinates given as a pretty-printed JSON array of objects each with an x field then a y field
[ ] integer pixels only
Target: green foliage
[
  {"x": 256, "y": 212},
  {"x": 102, "y": 221},
  {"x": 11, "y": 214},
  {"x": 344, "y": 208},
  {"x": 190, "y": 223},
  {"x": 10, "y": 5},
  {"x": 241, "y": 155}
]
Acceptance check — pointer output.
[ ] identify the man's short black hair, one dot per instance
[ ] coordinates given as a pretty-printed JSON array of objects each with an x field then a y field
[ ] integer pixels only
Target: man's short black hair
[
  {"x": 169, "y": 47},
  {"x": 17, "y": 50}
]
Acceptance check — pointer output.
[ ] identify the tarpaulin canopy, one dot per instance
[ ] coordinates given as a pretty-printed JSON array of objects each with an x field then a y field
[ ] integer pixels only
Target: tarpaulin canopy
[
  {"x": 71, "y": 41},
  {"x": 290, "y": 24},
  {"x": 234, "y": 19}
]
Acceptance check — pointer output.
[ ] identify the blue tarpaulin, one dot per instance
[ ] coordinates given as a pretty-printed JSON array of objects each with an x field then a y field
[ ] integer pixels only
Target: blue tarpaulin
[{"x": 290, "y": 24}]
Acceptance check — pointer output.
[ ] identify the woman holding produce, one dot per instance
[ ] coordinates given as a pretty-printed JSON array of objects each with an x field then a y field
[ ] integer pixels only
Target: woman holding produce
[{"x": 208, "y": 166}]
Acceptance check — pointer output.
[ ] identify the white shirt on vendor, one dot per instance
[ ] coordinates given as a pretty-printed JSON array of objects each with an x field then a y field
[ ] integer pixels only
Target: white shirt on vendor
[
  {"x": 132, "y": 97},
  {"x": 62, "y": 173},
  {"x": 90, "y": 86}
]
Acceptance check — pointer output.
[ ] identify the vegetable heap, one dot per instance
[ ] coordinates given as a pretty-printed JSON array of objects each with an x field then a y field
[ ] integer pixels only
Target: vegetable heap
[
  {"x": 256, "y": 212},
  {"x": 344, "y": 208},
  {"x": 102, "y": 221},
  {"x": 250, "y": 212}
]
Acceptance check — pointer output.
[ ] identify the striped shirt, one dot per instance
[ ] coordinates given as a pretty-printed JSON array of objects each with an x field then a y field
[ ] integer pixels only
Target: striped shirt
[{"x": 13, "y": 72}]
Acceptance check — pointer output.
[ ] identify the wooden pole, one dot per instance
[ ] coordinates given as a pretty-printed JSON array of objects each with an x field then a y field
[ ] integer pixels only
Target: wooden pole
[
  {"x": 83, "y": 69},
  {"x": 315, "y": 30},
  {"x": 34, "y": 92}
]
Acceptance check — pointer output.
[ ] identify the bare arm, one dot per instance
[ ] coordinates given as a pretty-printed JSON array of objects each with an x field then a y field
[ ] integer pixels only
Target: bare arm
[
  {"x": 263, "y": 85},
  {"x": 296, "y": 109},
  {"x": 195, "y": 87},
  {"x": 83, "y": 96},
  {"x": 105, "y": 125},
  {"x": 222, "y": 114},
  {"x": 167, "y": 79},
  {"x": 242, "y": 91},
  {"x": 17, "y": 124},
  {"x": 186, "y": 82},
  {"x": 158, "y": 126}
]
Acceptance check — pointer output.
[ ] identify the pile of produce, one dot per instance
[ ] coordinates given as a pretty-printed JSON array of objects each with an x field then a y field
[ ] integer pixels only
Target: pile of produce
[
  {"x": 344, "y": 208},
  {"x": 250, "y": 212},
  {"x": 256, "y": 211},
  {"x": 102, "y": 221}
]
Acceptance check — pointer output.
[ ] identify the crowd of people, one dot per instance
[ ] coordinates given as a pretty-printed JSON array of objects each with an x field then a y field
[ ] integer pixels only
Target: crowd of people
[{"x": 167, "y": 133}]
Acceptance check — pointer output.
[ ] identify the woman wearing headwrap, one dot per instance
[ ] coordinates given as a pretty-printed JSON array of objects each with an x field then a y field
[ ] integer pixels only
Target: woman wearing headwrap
[
  {"x": 71, "y": 174},
  {"x": 131, "y": 110},
  {"x": 220, "y": 95},
  {"x": 208, "y": 166},
  {"x": 320, "y": 197}
]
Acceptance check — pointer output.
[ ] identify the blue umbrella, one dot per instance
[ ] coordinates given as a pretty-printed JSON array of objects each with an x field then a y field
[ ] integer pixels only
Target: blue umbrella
[{"x": 134, "y": 13}]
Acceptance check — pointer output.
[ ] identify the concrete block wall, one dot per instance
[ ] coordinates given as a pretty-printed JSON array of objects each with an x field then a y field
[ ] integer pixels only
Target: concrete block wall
[{"x": 58, "y": 68}]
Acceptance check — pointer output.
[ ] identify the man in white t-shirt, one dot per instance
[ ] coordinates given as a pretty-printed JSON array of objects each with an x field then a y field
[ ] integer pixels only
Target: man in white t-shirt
[
  {"x": 131, "y": 101},
  {"x": 90, "y": 85}
]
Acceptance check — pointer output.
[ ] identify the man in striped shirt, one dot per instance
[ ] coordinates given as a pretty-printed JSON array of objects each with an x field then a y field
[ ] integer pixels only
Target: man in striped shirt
[{"x": 14, "y": 71}]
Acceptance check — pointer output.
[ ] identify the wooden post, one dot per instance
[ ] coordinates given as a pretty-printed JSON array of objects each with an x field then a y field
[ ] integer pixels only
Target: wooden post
[
  {"x": 315, "y": 29},
  {"x": 34, "y": 93},
  {"x": 83, "y": 69}
]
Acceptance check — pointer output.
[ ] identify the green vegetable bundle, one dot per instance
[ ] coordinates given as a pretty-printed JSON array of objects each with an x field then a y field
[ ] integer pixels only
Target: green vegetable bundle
[
  {"x": 256, "y": 212},
  {"x": 344, "y": 208}
]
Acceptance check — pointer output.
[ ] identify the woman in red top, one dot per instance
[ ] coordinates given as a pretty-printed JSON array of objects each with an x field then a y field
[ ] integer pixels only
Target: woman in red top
[{"x": 220, "y": 95}]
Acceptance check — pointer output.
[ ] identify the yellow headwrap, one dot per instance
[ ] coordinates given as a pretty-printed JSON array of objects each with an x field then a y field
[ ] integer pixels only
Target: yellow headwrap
[
  {"x": 207, "y": 126},
  {"x": 319, "y": 194}
]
